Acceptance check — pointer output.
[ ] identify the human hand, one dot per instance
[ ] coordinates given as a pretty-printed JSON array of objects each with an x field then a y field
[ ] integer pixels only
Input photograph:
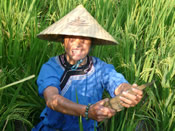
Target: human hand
[
  {"x": 98, "y": 112},
  {"x": 131, "y": 100}
]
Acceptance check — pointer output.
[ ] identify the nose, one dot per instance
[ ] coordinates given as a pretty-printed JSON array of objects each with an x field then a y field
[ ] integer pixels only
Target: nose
[{"x": 78, "y": 42}]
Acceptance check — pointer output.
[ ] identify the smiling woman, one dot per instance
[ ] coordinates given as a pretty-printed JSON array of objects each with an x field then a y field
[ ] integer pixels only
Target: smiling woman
[{"x": 76, "y": 75}]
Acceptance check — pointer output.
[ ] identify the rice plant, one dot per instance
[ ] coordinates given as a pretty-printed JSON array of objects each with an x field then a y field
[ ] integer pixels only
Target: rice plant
[{"x": 145, "y": 31}]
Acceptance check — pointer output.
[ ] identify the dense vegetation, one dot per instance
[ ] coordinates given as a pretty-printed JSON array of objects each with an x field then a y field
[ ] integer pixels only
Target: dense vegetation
[{"x": 145, "y": 30}]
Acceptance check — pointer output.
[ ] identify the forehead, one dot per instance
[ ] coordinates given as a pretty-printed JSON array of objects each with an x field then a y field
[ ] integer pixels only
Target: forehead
[{"x": 78, "y": 37}]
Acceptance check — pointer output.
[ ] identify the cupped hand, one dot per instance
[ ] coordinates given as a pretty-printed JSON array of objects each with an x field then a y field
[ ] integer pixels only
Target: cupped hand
[
  {"x": 98, "y": 112},
  {"x": 131, "y": 100}
]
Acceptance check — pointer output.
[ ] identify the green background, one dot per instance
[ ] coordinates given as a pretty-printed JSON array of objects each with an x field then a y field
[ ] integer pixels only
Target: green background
[{"x": 145, "y": 30}]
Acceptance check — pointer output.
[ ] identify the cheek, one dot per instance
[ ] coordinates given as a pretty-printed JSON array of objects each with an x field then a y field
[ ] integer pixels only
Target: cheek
[
  {"x": 87, "y": 47},
  {"x": 66, "y": 43},
  {"x": 67, "y": 48}
]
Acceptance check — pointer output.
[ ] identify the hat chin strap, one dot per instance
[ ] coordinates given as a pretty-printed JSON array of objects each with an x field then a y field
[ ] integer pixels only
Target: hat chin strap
[{"x": 74, "y": 67}]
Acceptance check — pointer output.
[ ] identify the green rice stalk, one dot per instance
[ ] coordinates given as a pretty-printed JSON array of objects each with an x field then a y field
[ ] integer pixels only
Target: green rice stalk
[{"x": 17, "y": 82}]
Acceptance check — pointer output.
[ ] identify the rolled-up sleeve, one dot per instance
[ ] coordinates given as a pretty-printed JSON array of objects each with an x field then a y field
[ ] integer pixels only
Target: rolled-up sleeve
[
  {"x": 48, "y": 76},
  {"x": 111, "y": 79}
]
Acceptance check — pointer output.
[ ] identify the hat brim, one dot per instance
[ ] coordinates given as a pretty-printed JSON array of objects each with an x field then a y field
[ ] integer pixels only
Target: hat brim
[{"x": 60, "y": 38}]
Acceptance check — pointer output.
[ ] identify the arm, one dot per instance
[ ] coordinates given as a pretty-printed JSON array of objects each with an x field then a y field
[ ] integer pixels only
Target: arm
[
  {"x": 127, "y": 99},
  {"x": 60, "y": 104}
]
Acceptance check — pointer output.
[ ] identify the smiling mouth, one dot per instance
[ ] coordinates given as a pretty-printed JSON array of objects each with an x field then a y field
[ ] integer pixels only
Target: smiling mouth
[{"x": 76, "y": 52}]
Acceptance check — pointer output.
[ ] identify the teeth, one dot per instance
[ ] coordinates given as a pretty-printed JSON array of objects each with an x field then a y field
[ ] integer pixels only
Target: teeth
[{"x": 76, "y": 51}]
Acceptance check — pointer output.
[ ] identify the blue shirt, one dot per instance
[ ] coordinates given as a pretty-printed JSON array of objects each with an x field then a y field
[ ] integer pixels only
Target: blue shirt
[{"x": 87, "y": 88}]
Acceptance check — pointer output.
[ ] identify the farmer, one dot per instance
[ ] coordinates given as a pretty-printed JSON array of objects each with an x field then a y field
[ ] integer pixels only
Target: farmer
[{"x": 72, "y": 84}]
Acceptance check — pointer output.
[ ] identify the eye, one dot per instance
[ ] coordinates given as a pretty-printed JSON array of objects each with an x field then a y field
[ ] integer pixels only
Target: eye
[{"x": 71, "y": 39}]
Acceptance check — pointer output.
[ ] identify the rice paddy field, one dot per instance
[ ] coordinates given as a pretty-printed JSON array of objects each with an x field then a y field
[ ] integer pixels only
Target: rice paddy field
[{"x": 145, "y": 30}]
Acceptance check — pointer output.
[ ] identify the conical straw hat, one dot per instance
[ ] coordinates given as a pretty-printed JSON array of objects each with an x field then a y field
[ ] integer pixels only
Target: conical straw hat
[{"x": 78, "y": 22}]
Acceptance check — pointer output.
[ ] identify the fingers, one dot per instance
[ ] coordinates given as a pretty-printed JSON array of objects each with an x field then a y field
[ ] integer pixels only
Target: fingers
[
  {"x": 102, "y": 102},
  {"x": 127, "y": 102},
  {"x": 99, "y": 112},
  {"x": 107, "y": 112},
  {"x": 130, "y": 100},
  {"x": 137, "y": 91},
  {"x": 104, "y": 113},
  {"x": 102, "y": 116}
]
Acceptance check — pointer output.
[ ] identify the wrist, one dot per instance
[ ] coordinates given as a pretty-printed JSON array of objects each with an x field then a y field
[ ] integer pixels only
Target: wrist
[{"x": 87, "y": 111}]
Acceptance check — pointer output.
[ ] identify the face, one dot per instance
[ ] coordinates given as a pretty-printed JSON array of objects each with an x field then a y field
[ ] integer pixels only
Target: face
[{"x": 76, "y": 48}]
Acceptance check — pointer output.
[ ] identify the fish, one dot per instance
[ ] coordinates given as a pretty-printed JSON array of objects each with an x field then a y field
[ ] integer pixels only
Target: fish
[{"x": 114, "y": 102}]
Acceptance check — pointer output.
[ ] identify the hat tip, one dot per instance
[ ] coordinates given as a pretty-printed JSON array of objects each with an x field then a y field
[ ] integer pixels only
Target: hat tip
[{"x": 80, "y": 6}]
